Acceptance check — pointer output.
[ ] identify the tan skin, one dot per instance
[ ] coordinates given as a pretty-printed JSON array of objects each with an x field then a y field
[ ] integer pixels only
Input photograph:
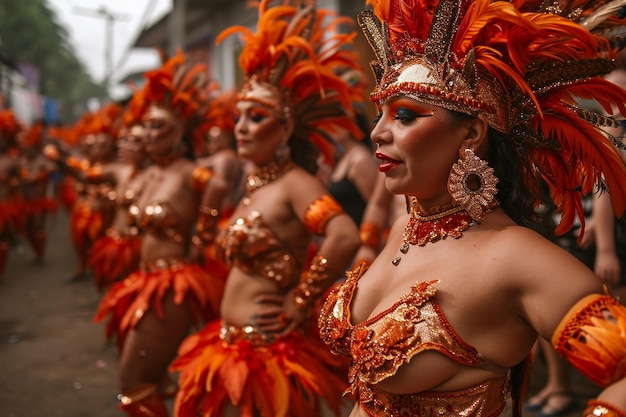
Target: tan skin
[
  {"x": 133, "y": 160},
  {"x": 282, "y": 204},
  {"x": 356, "y": 163},
  {"x": 223, "y": 160},
  {"x": 511, "y": 297},
  {"x": 152, "y": 344}
]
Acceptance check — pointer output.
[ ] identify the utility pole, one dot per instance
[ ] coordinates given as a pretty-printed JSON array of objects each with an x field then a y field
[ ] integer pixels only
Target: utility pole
[{"x": 110, "y": 19}]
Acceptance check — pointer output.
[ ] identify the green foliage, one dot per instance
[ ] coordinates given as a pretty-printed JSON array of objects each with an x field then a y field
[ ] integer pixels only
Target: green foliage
[{"x": 30, "y": 32}]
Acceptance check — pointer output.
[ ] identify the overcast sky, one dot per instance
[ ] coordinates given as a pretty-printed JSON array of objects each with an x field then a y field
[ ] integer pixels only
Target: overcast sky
[{"x": 87, "y": 32}]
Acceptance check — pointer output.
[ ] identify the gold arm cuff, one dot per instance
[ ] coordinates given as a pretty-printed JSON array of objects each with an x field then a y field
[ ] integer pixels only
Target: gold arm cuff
[{"x": 313, "y": 283}]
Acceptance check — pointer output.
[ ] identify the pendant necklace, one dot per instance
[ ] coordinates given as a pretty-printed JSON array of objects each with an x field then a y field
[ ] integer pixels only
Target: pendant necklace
[{"x": 423, "y": 229}]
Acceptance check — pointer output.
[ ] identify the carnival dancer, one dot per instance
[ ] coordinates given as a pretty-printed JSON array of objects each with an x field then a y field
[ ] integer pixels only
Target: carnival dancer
[
  {"x": 222, "y": 160},
  {"x": 116, "y": 254},
  {"x": 154, "y": 308},
  {"x": 264, "y": 356},
  {"x": 10, "y": 214},
  {"x": 477, "y": 103},
  {"x": 36, "y": 203},
  {"x": 95, "y": 168}
]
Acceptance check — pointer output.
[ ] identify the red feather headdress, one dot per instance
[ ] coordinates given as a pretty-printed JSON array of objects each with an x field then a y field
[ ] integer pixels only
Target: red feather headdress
[
  {"x": 297, "y": 52},
  {"x": 521, "y": 63},
  {"x": 10, "y": 126}
]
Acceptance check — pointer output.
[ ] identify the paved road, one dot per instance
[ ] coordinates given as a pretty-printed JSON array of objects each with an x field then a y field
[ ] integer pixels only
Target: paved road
[{"x": 53, "y": 359}]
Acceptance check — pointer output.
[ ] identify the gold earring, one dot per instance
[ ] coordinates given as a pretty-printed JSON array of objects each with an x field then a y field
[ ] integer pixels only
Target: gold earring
[{"x": 472, "y": 185}]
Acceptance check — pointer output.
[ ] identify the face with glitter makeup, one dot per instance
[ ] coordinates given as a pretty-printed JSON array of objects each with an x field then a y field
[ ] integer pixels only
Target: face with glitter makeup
[
  {"x": 163, "y": 131},
  {"x": 101, "y": 146},
  {"x": 259, "y": 131},
  {"x": 417, "y": 145},
  {"x": 130, "y": 147}
]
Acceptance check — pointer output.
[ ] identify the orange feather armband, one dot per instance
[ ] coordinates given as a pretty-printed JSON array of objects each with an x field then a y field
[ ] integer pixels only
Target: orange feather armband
[
  {"x": 369, "y": 235},
  {"x": 592, "y": 337},
  {"x": 597, "y": 408},
  {"x": 319, "y": 213},
  {"x": 199, "y": 178}
]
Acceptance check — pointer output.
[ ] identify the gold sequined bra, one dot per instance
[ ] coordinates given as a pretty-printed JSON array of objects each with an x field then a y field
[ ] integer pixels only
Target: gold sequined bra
[
  {"x": 381, "y": 344},
  {"x": 250, "y": 245}
]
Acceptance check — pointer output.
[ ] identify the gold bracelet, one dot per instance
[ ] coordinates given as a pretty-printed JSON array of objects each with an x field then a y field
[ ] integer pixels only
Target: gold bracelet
[
  {"x": 597, "y": 408},
  {"x": 205, "y": 226},
  {"x": 314, "y": 282}
]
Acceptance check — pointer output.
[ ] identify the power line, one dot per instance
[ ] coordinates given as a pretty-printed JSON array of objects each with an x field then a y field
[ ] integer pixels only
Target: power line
[
  {"x": 142, "y": 25},
  {"x": 110, "y": 19}
]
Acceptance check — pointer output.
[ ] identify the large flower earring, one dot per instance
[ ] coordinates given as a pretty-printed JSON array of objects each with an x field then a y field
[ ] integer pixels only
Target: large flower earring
[{"x": 472, "y": 185}]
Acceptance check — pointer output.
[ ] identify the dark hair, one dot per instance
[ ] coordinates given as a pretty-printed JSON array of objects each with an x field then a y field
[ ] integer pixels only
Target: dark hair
[
  {"x": 521, "y": 191},
  {"x": 304, "y": 153}
]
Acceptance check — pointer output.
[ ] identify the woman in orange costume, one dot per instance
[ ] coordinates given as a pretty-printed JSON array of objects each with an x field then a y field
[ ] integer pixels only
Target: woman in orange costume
[
  {"x": 223, "y": 160},
  {"x": 10, "y": 214},
  {"x": 116, "y": 254},
  {"x": 35, "y": 171},
  {"x": 154, "y": 308},
  {"x": 477, "y": 109},
  {"x": 94, "y": 171},
  {"x": 262, "y": 358}
]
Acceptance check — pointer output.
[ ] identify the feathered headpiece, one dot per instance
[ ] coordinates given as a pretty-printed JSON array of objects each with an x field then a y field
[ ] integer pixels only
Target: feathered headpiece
[
  {"x": 222, "y": 112},
  {"x": 183, "y": 87},
  {"x": 107, "y": 120},
  {"x": 180, "y": 86},
  {"x": 523, "y": 64},
  {"x": 32, "y": 136},
  {"x": 10, "y": 126},
  {"x": 297, "y": 53}
]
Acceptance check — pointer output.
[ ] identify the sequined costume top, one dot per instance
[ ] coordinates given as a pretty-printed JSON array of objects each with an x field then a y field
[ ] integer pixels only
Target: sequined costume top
[
  {"x": 159, "y": 219},
  {"x": 251, "y": 246},
  {"x": 381, "y": 344}
]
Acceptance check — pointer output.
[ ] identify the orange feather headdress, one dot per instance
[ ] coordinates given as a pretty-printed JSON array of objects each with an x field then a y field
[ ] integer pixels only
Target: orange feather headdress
[
  {"x": 184, "y": 88},
  {"x": 521, "y": 63},
  {"x": 180, "y": 86},
  {"x": 10, "y": 126},
  {"x": 297, "y": 53}
]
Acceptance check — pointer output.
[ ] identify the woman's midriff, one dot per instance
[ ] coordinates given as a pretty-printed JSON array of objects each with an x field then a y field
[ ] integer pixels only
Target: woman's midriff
[{"x": 238, "y": 303}]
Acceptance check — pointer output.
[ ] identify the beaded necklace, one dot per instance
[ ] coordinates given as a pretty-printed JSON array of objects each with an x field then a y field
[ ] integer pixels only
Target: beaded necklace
[
  {"x": 266, "y": 174},
  {"x": 423, "y": 229}
]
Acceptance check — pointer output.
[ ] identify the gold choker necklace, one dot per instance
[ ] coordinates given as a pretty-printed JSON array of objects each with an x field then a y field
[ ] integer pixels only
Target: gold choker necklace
[
  {"x": 265, "y": 175},
  {"x": 423, "y": 229}
]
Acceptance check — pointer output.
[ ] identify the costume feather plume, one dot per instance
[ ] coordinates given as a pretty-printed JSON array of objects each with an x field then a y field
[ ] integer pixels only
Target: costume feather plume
[
  {"x": 300, "y": 51},
  {"x": 539, "y": 58}
]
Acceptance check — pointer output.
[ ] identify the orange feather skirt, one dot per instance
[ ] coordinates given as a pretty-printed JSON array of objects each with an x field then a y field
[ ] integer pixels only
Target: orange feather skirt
[
  {"x": 287, "y": 377},
  {"x": 128, "y": 300}
]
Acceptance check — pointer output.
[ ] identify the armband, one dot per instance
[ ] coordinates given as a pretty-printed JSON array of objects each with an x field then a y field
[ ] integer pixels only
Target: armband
[
  {"x": 597, "y": 408},
  {"x": 319, "y": 213},
  {"x": 592, "y": 337},
  {"x": 77, "y": 164},
  {"x": 313, "y": 283},
  {"x": 205, "y": 226},
  {"x": 199, "y": 178},
  {"x": 369, "y": 235},
  {"x": 94, "y": 173}
]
